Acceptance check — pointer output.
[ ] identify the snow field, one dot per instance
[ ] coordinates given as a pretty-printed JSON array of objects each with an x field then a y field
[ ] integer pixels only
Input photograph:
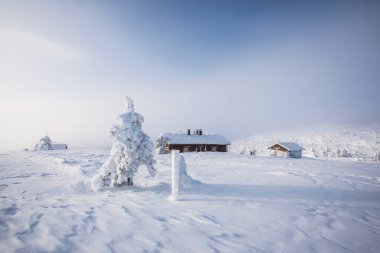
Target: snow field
[{"x": 244, "y": 204}]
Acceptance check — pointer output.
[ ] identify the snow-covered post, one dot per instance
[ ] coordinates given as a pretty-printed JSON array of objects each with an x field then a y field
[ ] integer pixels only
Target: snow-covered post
[{"x": 175, "y": 175}]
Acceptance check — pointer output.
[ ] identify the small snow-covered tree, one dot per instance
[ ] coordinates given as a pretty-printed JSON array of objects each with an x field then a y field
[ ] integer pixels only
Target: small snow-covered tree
[
  {"x": 43, "y": 144},
  {"x": 313, "y": 152},
  {"x": 131, "y": 148},
  {"x": 344, "y": 153},
  {"x": 161, "y": 142}
]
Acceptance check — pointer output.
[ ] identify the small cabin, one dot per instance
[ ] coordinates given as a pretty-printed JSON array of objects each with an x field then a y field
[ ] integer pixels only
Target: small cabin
[
  {"x": 58, "y": 146},
  {"x": 195, "y": 142},
  {"x": 288, "y": 149}
]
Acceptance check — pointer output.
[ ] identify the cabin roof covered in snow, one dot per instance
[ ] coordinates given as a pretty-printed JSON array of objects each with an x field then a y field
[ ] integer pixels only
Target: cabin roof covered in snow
[
  {"x": 290, "y": 146},
  {"x": 179, "y": 138}
]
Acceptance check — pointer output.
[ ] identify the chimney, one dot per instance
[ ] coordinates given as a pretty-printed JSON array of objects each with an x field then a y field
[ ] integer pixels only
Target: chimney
[{"x": 188, "y": 131}]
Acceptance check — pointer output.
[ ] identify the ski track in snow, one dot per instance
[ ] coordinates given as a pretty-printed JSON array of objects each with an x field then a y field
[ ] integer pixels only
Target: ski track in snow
[{"x": 244, "y": 204}]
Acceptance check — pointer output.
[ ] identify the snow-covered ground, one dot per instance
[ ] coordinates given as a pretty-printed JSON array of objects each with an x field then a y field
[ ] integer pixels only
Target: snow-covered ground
[
  {"x": 354, "y": 141},
  {"x": 244, "y": 204}
]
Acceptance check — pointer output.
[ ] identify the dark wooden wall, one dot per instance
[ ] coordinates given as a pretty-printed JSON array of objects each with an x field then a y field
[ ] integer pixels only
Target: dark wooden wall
[{"x": 197, "y": 147}]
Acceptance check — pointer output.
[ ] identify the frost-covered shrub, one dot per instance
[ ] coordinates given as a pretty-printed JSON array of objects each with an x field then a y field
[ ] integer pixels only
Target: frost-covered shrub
[
  {"x": 131, "y": 148},
  {"x": 376, "y": 155},
  {"x": 343, "y": 153},
  {"x": 313, "y": 152},
  {"x": 43, "y": 144},
  {"x": 161, "y": 142}
]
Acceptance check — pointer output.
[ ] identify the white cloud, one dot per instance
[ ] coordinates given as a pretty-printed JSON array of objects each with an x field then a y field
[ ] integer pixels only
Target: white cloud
[{"x": 19, "y": 43}]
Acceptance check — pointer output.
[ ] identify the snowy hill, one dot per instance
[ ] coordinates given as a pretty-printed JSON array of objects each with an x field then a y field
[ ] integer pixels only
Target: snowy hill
[
  {"x": 352, "y": 141},
  {"x": 244, "y": 204}
]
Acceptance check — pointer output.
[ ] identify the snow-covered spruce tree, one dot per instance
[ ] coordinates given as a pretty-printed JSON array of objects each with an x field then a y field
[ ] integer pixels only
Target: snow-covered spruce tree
[
  {"x": 131, "y": 148},
  {"x": 43, "y": 144}
]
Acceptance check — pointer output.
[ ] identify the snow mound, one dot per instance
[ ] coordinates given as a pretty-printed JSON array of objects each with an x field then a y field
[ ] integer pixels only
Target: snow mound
[
  {"x": 185, "y": 181},
  {"x": 84, "y": 186}
]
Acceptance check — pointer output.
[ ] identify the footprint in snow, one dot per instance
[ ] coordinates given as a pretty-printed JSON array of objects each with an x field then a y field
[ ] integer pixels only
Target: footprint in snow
[
  {"x": 12, "y": 210},
  {"x": 3, "y": 186}
]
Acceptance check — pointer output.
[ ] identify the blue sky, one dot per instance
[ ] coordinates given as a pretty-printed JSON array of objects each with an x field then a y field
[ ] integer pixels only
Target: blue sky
[{"x": 232, "y": 67}]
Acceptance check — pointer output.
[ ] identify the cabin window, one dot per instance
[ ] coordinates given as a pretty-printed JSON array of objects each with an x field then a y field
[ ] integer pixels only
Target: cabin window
[
  {"x": 186, "y": 149},
  {"x": 214, "y": 148}
]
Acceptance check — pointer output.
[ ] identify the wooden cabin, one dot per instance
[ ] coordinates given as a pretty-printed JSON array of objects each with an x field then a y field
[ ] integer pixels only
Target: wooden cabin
[
  {"x": 57, "y": 146},
  {"x": 195, "y": 142},
  {"x": 287, "y": 149}
]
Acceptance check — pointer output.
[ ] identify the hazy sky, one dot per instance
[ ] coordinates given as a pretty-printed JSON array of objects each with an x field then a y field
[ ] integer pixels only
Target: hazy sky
[{"x": 232, "y": 67}]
